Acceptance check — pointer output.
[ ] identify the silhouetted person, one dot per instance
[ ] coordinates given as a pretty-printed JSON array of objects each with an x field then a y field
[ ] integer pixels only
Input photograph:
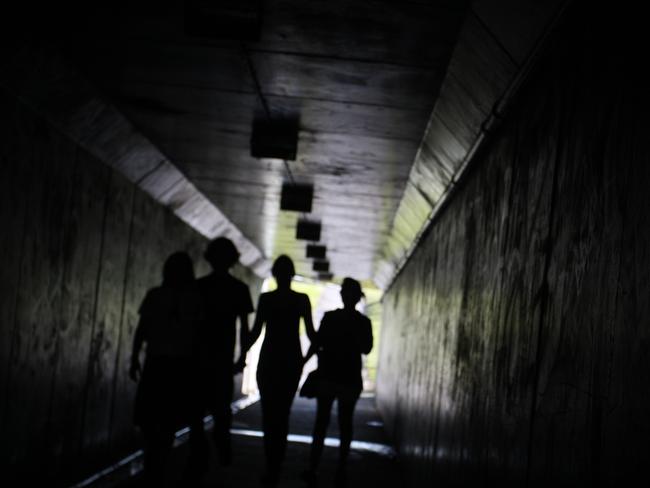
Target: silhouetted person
[
  {"x": 343, "y": 336},
  {"x": 168, "y": 318},
  {"x": 225, "y": 299},
  {"x": 280, "y": 363}
]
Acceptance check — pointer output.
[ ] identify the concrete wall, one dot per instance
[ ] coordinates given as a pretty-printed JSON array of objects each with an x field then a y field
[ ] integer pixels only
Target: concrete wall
[
  {"x": 516, "y": 341},
  {"x": 80, "y": 245}
]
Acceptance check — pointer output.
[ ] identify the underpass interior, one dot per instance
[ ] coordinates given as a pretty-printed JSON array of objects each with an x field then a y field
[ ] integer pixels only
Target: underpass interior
[{"x": 480, "y": 167}]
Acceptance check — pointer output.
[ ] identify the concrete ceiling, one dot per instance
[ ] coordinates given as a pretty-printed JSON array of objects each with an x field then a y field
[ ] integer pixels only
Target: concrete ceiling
[
  {"x": 362, "y": 77},
  {"x": 393, "y": 100}
]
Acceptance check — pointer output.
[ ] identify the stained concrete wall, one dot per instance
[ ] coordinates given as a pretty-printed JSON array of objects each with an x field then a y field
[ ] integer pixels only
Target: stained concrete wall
[
  {"x": 80, "y": 246},
  {"x": 515, "y": 348}
]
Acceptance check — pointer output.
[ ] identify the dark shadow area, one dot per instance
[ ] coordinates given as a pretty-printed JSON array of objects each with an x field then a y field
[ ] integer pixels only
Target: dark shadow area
[
  {"x": 371, "y": 461},
  {"x": 189, "y": 328},
  {"x": 169, "y": 316}
]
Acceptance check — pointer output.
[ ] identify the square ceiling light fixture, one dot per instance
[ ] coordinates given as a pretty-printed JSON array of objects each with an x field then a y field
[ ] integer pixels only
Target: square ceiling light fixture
[
  {"x": 275, "y": 138},
  {"x": 239, "y": 20},
  {"x": 323, "y": 266},
  {"x": 297, "y": 197},
  {"x": 307, "y": 230},
  {"x": 316, "y": 251}
]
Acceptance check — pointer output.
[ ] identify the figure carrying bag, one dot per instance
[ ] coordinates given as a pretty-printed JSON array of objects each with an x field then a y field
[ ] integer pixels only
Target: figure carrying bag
[{"x": 310, "y": 386}]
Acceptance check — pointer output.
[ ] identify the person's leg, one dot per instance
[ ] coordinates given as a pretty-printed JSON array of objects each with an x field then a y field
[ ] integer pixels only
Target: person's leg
[
  {"x": 163, "y": 414},
  {"x": 276, "y": 408},
  {"x": 150, "y": 461},
  {"x": 323, "y": 412},
  {"x": 166, "y": 447},
  {"x": 287, "y": 392},
  {"x": 158, "y": 444},
  {"x": 271, "y": 435},
  {"x": 346, "y": 404},
  {"x": 282, "y": 422},
  {"x": 222, "y": 415},
  {"x": 197, "y": 461},
  {"x": 280, "y": 429}
]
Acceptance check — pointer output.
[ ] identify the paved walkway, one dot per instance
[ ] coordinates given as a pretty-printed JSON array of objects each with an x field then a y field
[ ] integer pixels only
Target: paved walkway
[{"x": 371, "y": 461}]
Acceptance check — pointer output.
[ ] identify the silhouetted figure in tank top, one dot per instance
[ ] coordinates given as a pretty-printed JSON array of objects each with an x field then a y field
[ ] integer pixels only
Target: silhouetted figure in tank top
[
  {"x": 169, "y": 316},
  {"x": 343, "y": 336},
  {"x": 226, "y": 299},
  {"x": 280, "y": 364}
]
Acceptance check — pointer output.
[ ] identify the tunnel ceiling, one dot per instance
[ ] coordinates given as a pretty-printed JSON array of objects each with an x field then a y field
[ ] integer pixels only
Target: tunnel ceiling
[{"x": 361, "y": 78}]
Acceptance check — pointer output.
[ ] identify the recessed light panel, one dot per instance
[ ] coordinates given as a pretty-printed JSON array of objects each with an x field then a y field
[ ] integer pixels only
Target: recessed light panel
[
  {"x": 316, "y": 251},
  {"x": 323, "y": 266},
  {"x": 308, "y": 230},
  {"x": 274, "y": 138},
  {"x": 325, "y": 276},
  {"x": 296, "y": 197}
]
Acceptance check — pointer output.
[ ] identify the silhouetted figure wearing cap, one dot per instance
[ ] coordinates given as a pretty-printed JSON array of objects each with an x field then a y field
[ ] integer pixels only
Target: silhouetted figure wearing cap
[
  {"x": 169, "y": 316},
  {"x": 225, "y": 299},
  {"x": 343, "y": 336},
  {"x": 280, "y": 364}
]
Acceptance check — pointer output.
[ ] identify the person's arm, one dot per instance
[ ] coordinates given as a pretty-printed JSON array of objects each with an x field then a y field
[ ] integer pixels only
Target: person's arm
[
  {"x": 316, "y": 342},
  {"x": 309, "y": 324},
  {"x": 139, "y": 337},
  {"x": 245, "y": 307},
  {"x": 243, "y": 342},
  {"x": 256, "y": 330},
  {"x": 365, "y": 336},
  {"x": 313, "y": 349}
]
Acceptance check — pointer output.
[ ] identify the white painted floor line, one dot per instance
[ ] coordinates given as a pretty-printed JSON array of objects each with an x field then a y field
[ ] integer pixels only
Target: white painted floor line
[
  {"x": 179, "y": 438},
  {"x": 105, "y": 472},
  {"x": 373, "y": 447},
  {"x": 236, "y": 406}
]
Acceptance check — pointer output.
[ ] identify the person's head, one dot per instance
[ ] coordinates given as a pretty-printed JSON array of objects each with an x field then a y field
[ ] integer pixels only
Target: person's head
[
  {"x": 351, "y": 292},
  {"x": 283, "y": 270},
  {"x": 178, "y": 270},
  {"x": 221, "y": 253}
]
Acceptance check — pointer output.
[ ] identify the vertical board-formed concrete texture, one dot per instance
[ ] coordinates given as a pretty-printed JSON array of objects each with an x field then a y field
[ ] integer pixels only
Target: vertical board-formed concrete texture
[
  {"x": 80, "y": 247},
  {"x": 493, "y": 45},
  {"x": 515, "y": 340}
]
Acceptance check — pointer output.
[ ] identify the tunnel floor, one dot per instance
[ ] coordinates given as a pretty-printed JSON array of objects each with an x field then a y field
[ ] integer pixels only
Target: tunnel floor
[{"x": 372, "y": 461}]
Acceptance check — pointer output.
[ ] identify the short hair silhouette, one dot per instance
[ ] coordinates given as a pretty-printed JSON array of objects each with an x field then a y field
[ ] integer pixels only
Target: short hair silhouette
[
  {"x": 221, "y": 253},
  {"x": 283, "y": 266},
  {"x": 178, "y": 270}
]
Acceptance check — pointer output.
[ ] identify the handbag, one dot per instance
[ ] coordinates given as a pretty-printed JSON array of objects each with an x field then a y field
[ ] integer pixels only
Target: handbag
[{"x": 311, "y": 385}]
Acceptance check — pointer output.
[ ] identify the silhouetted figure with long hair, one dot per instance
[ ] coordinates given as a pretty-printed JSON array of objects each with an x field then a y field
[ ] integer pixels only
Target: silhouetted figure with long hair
[
  {"x": 280, "y": 364},
  {"x": 168, "y": 318},
  {"x": 343, "y": 336},
  {"x": 226, "y": 299}
]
